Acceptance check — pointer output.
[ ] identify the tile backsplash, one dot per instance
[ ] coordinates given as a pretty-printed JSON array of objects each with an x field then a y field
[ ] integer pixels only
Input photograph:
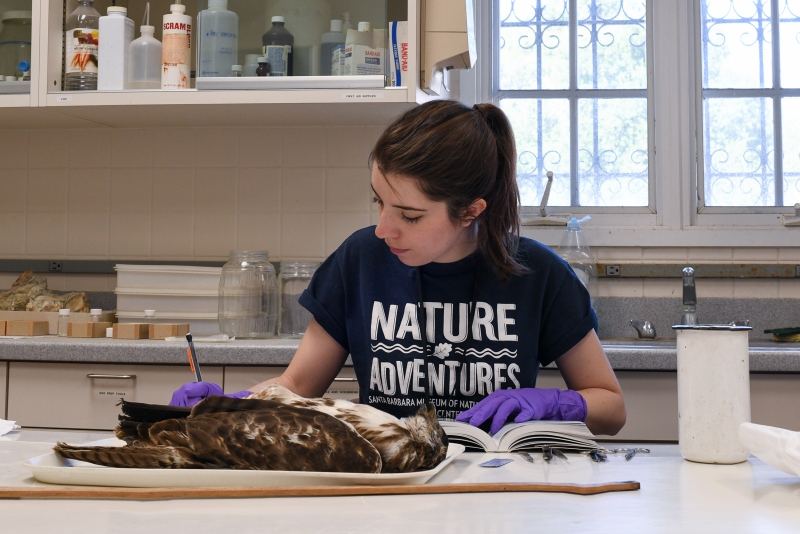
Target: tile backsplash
[{"x": 182, "y": 194}]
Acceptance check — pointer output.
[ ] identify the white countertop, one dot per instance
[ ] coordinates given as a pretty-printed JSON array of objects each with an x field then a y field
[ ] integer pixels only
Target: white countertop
[{"x": 675, "y": 496}]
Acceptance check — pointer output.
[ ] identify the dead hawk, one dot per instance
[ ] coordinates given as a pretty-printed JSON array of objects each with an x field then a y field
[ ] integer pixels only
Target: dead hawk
[{"x": 272, "y": 430}]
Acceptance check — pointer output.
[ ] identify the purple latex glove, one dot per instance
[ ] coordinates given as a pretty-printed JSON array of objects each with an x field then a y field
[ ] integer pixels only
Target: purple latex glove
[
  {"x": 527, "y": 404},
  {"x": 191, "y": 393}
]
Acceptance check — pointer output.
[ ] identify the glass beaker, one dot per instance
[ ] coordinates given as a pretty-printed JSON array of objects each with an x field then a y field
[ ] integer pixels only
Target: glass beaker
[
  {"x": 248, "y": 296},
  {"x": 295, "y": 277}
]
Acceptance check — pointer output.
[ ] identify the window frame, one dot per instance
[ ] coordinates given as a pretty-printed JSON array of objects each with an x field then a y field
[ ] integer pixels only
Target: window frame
[{"x": 675, "y": 101}]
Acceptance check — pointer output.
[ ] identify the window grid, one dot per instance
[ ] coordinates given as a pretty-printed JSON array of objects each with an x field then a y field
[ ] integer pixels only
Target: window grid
[
  {"x": 768, "y": 94},
  {"x": 573, "y": 94}
]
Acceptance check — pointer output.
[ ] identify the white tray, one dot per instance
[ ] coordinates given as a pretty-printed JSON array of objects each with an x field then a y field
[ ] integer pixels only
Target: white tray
[
  {"x": 54, "y": 469},
  {"x": 167, "y": 276},
  {"x": 168, "y": 300}
]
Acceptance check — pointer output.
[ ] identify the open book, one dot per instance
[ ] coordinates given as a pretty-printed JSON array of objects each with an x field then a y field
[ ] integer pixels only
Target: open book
[{"x": 528, "y": 436}]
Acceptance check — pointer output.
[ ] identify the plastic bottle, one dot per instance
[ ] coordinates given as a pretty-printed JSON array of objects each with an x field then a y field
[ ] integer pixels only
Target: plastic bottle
[
  {"x": 149, "y": 316},
  {"x": 250, "y": 64},
  {"x": 278, "y": 43},
  {"x": 175, "y": 62},
  {"x": 144, "y": 62},
  {"x": 81, "y": 41},
  {"x": 236, "y": 71},
  {"x": 116, "y": 34},
  {"x": 218, "y": 42},
  {"x": 15, "y": 41},
  {"x": 346, "y": 24},
  {"x": 95, "y": 315},
  {"x": 575, "y": 250},
  {"x": 25, "y": 68},
  {"x": 63, "y": 321},
  {"x": 329, "y": 41},
  {"x": 263, "y": 67}
]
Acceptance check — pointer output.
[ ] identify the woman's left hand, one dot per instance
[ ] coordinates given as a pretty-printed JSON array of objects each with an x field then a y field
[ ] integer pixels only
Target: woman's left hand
[{"x": 527, "y": 404}]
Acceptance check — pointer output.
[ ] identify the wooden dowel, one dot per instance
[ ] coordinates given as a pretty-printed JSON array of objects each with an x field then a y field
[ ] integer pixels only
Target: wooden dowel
[{"x": 97, "y": 492}]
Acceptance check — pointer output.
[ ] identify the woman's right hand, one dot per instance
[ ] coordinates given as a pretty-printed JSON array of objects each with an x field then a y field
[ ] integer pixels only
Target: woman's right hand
[{"x": 191, "y": 393}]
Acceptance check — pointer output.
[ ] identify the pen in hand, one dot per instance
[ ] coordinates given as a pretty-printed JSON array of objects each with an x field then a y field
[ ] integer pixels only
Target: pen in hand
[{"x": 195, "y": 367}]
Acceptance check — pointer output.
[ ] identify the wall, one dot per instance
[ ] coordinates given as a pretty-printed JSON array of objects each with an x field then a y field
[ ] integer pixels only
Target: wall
[
  {"x": 194, "y": 194},
  {"x": 180, "y": 194}
]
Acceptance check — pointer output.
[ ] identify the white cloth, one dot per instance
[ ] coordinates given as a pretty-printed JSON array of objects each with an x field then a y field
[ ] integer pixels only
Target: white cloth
[
  {"x": 6, "y": 427},
  {"x": 777, "y": 447}
]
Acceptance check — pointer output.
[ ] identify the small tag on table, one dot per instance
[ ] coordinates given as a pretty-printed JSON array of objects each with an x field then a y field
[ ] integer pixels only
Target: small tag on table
[{"x": 495, "y": 462}]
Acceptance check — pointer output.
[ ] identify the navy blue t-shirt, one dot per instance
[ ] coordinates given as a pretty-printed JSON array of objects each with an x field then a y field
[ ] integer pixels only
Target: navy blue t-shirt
[{"x": 366, "y": 299}]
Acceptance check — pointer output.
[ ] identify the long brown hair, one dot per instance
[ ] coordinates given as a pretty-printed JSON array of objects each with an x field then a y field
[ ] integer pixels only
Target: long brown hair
[{"x": 458, "y": 155}]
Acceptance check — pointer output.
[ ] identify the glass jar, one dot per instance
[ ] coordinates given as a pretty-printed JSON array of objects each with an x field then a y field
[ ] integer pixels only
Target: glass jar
[
  {"x": 96, "y": 315},
  {"x": 294, "y": 279},
  {"x": 248, "y": 296},
  {"x": 63, "y": 321}
]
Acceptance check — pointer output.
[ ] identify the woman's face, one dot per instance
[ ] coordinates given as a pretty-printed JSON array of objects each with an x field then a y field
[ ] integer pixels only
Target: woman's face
[{"x": 417, "y": 229}]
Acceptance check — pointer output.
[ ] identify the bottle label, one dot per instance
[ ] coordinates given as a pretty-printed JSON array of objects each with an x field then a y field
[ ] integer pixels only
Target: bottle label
[
  {"x": 278, "y": 59},
  {"x": 175, "y": 55},
  {"x": 80, "y": 47}
]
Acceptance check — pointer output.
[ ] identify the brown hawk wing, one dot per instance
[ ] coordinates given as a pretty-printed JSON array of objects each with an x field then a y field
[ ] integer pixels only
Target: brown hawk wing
[{"x": 285, "y": 438}]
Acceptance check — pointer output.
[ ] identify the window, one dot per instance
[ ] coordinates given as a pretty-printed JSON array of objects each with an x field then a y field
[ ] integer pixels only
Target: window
[
  {"x": 750, "y": 103},
  {"x": 572, "y": 76}
]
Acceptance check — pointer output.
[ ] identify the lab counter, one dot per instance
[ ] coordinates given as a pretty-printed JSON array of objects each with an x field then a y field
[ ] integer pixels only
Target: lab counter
[
  {"x": 675, "y": 496},
  {"x": 630, "y": 355}
]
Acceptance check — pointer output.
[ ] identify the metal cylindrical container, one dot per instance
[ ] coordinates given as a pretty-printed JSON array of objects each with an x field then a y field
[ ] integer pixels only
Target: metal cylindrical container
[
  {"x": 294, "y": 279},
  {"x": 248, "y": 296},
  {"x": 713, "y": 392}
]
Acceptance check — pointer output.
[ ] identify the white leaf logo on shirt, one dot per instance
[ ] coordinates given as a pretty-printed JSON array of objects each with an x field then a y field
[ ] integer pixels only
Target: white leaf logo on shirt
[{"x": 442, "y": 350}]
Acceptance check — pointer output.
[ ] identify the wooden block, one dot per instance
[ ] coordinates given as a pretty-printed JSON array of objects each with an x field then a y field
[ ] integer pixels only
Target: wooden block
[
  {"x": 163, "y": 331},
  {"x": 132, "y": 331},
  {"x": 2, "y": 328},
  {"x": 27, "y": 328},
  {"x": 87, "y": 329}
]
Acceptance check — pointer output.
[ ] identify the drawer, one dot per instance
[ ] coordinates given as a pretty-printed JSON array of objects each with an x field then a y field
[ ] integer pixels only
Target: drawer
[
  {"x": 85, "y": 396},
  {"x": 237, "y": 378}
]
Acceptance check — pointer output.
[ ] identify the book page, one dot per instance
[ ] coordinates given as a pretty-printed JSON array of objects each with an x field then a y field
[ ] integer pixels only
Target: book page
[{"x": 470, "y": 434}]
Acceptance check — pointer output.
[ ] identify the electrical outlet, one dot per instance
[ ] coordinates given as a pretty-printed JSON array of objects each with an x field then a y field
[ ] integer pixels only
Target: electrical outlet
[
  {"x": 54, "y": 266},
  {"x": 612, "y": 270}
]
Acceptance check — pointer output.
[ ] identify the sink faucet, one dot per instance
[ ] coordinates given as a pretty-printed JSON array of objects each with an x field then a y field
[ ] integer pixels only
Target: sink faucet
[
  {"x": 645, "y": 329},
  {"x": 689, "y": 297}
]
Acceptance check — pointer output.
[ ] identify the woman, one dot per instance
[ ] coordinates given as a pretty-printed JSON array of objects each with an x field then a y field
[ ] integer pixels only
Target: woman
[{"x": 442, "y": 300}]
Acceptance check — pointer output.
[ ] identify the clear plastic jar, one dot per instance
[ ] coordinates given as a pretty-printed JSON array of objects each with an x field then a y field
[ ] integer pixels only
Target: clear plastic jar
[
  {"x": 63, "y": 321},
  {"x": 96, "y": 315},
  {"x": 294, "y": 279},
  {"x": 248, "y": 296}
]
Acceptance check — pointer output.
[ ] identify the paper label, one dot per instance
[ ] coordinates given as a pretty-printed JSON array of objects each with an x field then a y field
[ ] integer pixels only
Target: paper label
[
  {"x": 362, "y": 96},
  {"x": 80, "y": 46},
  {"x": 175, "y": 72},
  {"x": 278, "y": 59}
]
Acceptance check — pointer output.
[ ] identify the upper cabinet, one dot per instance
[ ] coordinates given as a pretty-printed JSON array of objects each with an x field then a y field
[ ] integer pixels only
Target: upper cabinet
[
  {"x": 19, "y": 36},
  {"x": 222, "y": 62}
]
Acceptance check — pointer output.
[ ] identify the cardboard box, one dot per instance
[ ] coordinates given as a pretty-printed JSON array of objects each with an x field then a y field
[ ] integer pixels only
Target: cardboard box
[
  {"x": 87, "y": 329},
  {"x": 27, "y": 328},
  {"x": 398, "y": 53},
  {"x": 163, "y": 331},
  {"x": 132, "y": 331},
  {"x": 2, "y": 328},
  {"x": 52, "y": 318},
  {"x": 363, "y": 60}
]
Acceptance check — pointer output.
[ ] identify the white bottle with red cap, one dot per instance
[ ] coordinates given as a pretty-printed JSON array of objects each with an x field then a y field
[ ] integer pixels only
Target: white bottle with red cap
[{"x": 175, "y": 46}]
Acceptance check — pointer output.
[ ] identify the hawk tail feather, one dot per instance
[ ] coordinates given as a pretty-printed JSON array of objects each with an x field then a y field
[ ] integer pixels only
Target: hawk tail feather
[{"x": 129, "y": 457}]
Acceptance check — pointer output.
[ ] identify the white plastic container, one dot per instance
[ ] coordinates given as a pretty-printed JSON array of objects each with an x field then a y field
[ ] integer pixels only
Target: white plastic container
[
  {"x": 167, "y": 300},
  {"x": 218, "y": 42},
  {"x": 144, "y": 62},
  {"x": 116, "y": 34},
  {"x": 175, "y": 59},
  {"x": 167, "y": 277},
  {"x": 713, "y": 392},
  {"x": 201, "y": 324},
  {"x": 250, "y": 64}
]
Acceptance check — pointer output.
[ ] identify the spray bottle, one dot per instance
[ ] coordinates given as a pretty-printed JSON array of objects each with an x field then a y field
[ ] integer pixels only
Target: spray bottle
[
  {"x": 175, "y": 58},
  {"x": 575, "y": 250}
]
